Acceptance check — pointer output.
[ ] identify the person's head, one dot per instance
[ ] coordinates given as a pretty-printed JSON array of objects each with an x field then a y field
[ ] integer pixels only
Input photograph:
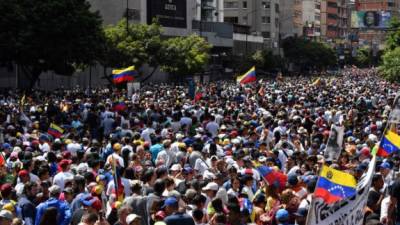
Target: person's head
[
  {"x": 65, "y": 164},
  {"x": 301, "y": 216},
  {"x": 377, "y": 181},
  {"x": 6, "y": 217},
  {"x": 78, "y": 184},
  {"x": 385, "y": 168},
  {"x": 30, "y": 189},
  {"x": 55, "y": 191},
  {"x": 89, "y": 218},
  {"x": 23, "y": 176},
  {"x": 6, "y": 191},
  {"x": 159, "y": 186},
  {"x": 49, "y": 216},
  {"x": 90, "y": 203},
  {"x": 170, "y": 205},
  {"x": 123, "y": 213},
  {"x": 133, "y": 219},
  {"x": 282, "y": 216},
  {"x": 198, "y": 215}
]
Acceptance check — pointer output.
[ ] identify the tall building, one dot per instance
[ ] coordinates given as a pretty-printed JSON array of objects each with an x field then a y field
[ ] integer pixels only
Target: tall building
[
  {"x": 290, "y": 21},
  {"x": 261, "y": 17},
  {"x": 312, "y": 18}
]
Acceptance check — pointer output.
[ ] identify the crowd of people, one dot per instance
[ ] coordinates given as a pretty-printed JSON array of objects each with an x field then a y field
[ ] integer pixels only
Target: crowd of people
[{"x": 158, "y": 157}]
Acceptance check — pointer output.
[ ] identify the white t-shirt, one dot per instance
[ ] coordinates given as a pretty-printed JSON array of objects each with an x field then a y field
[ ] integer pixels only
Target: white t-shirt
[
  {"x": 200, "y": 166},
  {"x": 73, "y": 148},
  {"x": 61, "y": 177},
  {"x": 125, "y": 182},
  {"x": 118, "y": 158}
]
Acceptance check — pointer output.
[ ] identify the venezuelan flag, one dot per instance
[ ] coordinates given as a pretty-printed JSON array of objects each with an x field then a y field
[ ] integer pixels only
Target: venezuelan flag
[
  {"x": 390, "y": 143},
  {"x": 124, "y": 75},
  {"x": 55, "y": 130},
  {"x": 121, "y": 106},
  {"x": 248, "y": 77},
  {"x": 273, "y": 177},
  {"x": 334, "y": 185}
]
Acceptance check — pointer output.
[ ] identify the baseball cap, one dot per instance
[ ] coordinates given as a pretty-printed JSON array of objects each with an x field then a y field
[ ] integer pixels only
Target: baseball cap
[
  {"x": 6, "y": 214},
  {"x": 132, "y": 217},
  {"x": 292, "y": 179},
  {"x": 282, "y": 215},
  {"x": 212, "y": 186},
  {"x": 171, "y": 201},
  {"x": 23, "y": 173},
  {"x": 94, "y": 202},
  {"x": 176, "y": 167},
  {"x": 54, "y": 189},
  {"x": 65, "y": 162},
  {"x": 5, "y": 189},
  {"x": 386, "y": 165}
]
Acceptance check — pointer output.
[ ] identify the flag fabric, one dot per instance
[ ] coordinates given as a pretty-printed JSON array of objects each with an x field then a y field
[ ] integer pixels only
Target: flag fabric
[
  {"x": 124, "y": 75},
  {"x": 55, "y": 130},
  {"x": 390, "y": 143},
  {"x": 317, "y": 82},
  {"x": 120, "y": 106},
  {"x": 334, "y": 185},
  {"x": 198, "y": 96},
  {"x": 273, "y": 177},
  {"x": 248, "y": 77},
  {"x": 2, "y": 160}
]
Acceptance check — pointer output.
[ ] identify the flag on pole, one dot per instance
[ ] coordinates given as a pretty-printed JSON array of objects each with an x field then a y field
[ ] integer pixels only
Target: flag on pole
[
  {"x": 124, "y": 75},
  {"x": 273, "y": 177},
  {"x": 389, "y": 144},
  {"x": 334, "y": 185},
  {"x": 55, "y": 131},
  {"x": 248, "y": 77}
]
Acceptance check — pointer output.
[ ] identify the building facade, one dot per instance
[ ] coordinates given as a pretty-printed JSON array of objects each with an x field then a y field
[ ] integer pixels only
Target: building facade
[
  {"x": 261, "y": 16},
  {"x": 290, "y": 21},
  {"x": 312, "y": 18}
]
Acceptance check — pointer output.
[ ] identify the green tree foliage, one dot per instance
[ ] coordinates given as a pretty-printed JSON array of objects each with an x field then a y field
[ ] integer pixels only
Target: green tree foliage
[
  {"x": 266, "y": 60},
  {"x": 390, "y": 68},
  {"x": 49, "y": 35},
  {"x": 138, "y": 45},
  {"x": 308, "y": 54},
  {"x": 364, "y": 57},
  {"x": 184, "y": 56},
  {"x": 393, "y": 37}
]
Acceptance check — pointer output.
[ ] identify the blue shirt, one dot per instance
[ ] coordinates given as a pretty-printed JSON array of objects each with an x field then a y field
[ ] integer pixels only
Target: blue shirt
[
  {"x": 155, "y": 149},
  {"x": 179, "y": 219},
  {"x": 63, "y": 211}
]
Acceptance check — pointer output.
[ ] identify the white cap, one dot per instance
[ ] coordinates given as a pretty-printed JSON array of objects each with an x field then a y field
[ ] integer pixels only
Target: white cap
[
  {"x": 6, "y": 214},
  {"x": 176, "y": 167},
  {"x": 131, "y": 217},
  {"x": 212, "y": 186}
]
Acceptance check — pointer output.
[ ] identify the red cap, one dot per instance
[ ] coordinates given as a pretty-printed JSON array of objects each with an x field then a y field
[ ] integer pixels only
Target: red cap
[
  {"x": 6, "y": 189},
  {"x": 365, "y": 151},
  {"x": 65, "y": 162},
  {"x": 23, "y": 173},
  {"x": 66, "y": 155}
]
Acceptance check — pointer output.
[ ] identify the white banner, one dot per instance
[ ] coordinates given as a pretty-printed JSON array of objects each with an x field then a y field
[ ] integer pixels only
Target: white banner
[{"x": 347, "y": 211}]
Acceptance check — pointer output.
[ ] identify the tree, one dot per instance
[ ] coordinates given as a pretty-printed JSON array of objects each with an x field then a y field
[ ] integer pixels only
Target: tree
[
  {"x": 49, "y": 35},
  {"x": 390, "y": 68},
  {"x": 266, "y": 60},
  {"x": 364, "y": 57},
  {"x": 184, "y": 56},
  {"x": 138, "y": 45},
  {"x": 308, "y": 54},
  {"x": 393, "y": 37}
]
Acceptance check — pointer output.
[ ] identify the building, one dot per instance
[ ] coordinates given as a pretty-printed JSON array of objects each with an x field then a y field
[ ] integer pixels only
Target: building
[
  {"x": 290, "y": 21},
  {"x": 261, "y": 17},
  {"x": 370, "y": 20},
  {"x": 312, "y": 18}
]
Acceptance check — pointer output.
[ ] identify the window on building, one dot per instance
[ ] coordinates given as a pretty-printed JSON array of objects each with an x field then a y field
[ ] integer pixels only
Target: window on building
[
  {"x": 245, "y": 19},
  {"x": 276, "y": 22},
  {"x": 390, "y": 4},
  {"x": 317, "y": 6},
  {"x": 332, "y": 28},
  {"x": 276, "y": 8},
  {"x": 231, "y": 5},
  {"x": 266, "y": 5},
  {"x": 244, "y": 4},
  {"x": 332, "y": 4},
  {"x": 266, "y": 34},
  {"x": 317, "y": 17},
  {"x": 266, "y": 19},
  {"x": 332, "y": 16},
  {"x": 231, "y": 19}
]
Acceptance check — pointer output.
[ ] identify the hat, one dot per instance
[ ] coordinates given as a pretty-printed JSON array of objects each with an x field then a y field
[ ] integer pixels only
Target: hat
[
  {"x": 262, "y": 159},
  {"x": 6, "y": 215},
  {"x": 282, "y": 215},
  {"x": 301, "y": 212},
  {"x": 190, "y": 193},
  {"x": 176, "y": 167},
  {"x": 65, "y": 162},
  {"x": 187, "y": 170},
  {"x": 5, "y": 189},
  {"x": 171, "y": 201},
  {"x": 132, "y": 217},
  {"x": 68, "y": 190},
  {"x": 117, "y": 146},
  {"x": 23, "y": 173},
  {"x": 54, "y": 189},
  {"x": 212, "y": 186},
  {"x": 386, "y": 165}
]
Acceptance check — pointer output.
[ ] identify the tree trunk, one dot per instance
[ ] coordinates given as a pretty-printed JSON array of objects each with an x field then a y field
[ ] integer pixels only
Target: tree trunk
[{"x": 150, "y": 75}]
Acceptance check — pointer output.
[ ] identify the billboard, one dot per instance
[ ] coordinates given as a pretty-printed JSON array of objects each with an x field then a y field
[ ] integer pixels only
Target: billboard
[
  {"x": 170, "y": 13},
  {"x": 370, "y": 19}
]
